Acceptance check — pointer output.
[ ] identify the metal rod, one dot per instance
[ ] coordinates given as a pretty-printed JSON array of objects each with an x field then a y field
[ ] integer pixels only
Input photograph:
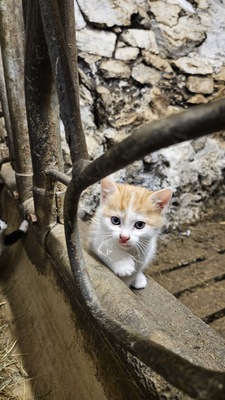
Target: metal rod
[
  {"x": 194, "y": 380},
  {"x": 43, "y": 115},
  {"x": 5, "y": 109},
  {"x": 12, "y": 39},
  {"x": 58, "y": 176},
  {"x": 67, "y": 82},
  {"x": 190, "y": 124}
]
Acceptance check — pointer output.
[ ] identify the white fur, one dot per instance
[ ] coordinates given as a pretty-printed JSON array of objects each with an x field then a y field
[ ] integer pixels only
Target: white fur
[
  {"x": 126, "y": 262},
  {"x": 124, "y": 248},
  {"x": 3, "y": 226},
  {"x": 24, "y": 226}
]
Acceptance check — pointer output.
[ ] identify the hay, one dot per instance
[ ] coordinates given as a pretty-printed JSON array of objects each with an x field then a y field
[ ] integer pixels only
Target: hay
[{"x": 11, "y": 373}]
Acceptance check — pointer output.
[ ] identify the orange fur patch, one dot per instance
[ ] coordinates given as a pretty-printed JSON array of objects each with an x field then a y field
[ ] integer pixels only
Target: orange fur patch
[{"x": 137, "y": 198}]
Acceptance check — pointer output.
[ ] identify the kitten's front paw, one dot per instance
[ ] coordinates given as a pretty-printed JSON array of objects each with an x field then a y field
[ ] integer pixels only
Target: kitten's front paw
[
  {"x": 3, "y": 225},
  {"x": 124, "y": 267},
  {"x": 24, "y": 226},
  {"x": 140, "y": 281}
]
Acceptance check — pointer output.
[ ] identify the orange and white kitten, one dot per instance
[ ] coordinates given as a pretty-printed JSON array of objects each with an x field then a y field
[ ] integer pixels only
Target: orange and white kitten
[{"x": 125, "y": 229}]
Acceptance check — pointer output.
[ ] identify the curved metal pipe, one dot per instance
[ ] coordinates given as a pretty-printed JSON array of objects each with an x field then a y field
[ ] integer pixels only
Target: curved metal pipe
[{"x": 196, "y": 381}]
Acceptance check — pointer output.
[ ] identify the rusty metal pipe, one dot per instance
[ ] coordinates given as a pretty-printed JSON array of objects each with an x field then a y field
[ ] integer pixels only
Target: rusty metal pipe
[
  {"x": 194, "y": 380},
  {"x": 189, "y": 124},
  {"x": 43, "y": 116},
  {"x": 5, "y": 109},
  {"x": 12, "y": 39},
  {"x": 61, "y": 47}
]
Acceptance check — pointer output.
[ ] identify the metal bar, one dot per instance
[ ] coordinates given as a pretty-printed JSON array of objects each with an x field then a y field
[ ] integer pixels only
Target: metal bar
[
  {"x": 43, "y": 115},
  {"x": 190, "y": 124},
  {"x": 58, "y": 176},
  {"x": 67, "y": 12},
  {"x": 159, "y": 358},
  {"x": 5, "y": 109},
  {"x": 66, "y": 80},
  {"x": 12, "y": 39},
  {"x": 194, "y": 380}
]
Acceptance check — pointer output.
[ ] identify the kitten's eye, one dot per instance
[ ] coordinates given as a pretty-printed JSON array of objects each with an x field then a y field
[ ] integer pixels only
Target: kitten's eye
[
  {"x": 115, "y": 220},
  {"x": 139, "y": 225}
]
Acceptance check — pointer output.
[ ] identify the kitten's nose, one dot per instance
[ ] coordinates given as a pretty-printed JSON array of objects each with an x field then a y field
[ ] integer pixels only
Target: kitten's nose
[{"x": 124, "y": 238}]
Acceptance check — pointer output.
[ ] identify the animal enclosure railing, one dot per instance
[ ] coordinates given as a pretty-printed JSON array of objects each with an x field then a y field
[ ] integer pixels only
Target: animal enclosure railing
[{"x": 50, "y": 75}]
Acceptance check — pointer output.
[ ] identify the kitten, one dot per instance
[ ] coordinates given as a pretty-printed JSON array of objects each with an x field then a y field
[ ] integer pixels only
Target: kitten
[
  {"x": 10, "y": 238},
  {"x": 125, "y": 229}
]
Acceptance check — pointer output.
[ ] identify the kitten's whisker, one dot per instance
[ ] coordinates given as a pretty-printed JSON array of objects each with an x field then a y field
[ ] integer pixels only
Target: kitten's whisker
[
  {"x": 102, "y": 237},
  {"x": 143, "y": 247}
]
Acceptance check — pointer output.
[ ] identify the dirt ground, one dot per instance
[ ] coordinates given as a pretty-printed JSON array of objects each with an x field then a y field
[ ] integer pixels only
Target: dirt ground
[{"x": 191, "y": 265}]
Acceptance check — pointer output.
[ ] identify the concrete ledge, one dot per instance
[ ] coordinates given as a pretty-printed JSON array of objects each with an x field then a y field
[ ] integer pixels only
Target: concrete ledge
[{"x": 63, "y": 350}]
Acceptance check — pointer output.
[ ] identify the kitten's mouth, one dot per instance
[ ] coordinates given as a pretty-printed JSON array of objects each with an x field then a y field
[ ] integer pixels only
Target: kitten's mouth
[{"x": 124, "y": 244}]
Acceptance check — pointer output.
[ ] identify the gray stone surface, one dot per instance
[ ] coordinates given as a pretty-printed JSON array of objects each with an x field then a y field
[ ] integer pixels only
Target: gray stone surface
[
  {"x": 108, "y": 12},
  {"x": 140, "y": 61},
  {"x": 97, "y": 42}
]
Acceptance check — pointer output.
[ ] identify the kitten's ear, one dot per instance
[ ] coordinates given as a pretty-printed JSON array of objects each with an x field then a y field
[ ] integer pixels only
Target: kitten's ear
[
  {"x": 162, "y": 197},
  {"x": 108, "y": 186}
]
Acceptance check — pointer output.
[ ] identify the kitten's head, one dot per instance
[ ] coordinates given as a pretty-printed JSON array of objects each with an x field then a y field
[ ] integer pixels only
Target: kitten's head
[{"x": 131, "y": 214}]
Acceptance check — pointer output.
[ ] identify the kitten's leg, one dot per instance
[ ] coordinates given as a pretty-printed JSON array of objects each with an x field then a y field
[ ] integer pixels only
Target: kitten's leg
[
  {"x": 140, "y": 281},
  {"x": 11, "y": 238},
  {"x": 24, "y": 226},
  {"x": 122, "y": 264},
  {"x": 119, "y": 261},
  {"x": 3, "y": 225},
  {"x": 124, "y": 267}
]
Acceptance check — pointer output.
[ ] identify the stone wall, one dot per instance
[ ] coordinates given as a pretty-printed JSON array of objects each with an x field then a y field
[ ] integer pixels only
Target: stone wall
[{"x": 140, "y": 60}]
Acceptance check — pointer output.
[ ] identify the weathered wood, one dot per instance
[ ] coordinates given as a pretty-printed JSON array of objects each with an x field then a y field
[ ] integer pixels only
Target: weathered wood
[
  {"x": 219, "y": 326},
  {"x": 192, "y": 275},
  {"x": 192, "y": 268},
  {"x": 206, "y": 300}
]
